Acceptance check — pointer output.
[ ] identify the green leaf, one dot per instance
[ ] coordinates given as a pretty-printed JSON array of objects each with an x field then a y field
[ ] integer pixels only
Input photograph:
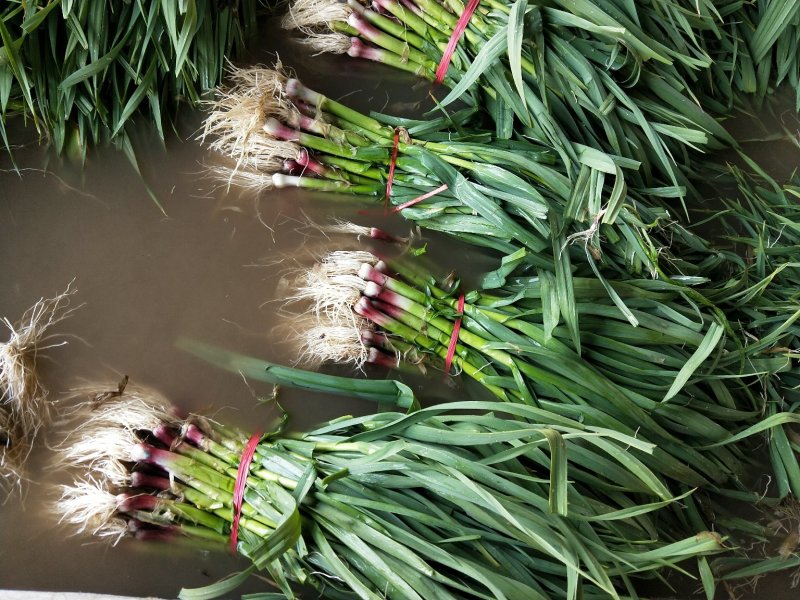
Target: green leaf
[
  {"x": 94, "y": 68},
  {"x": 18, "y": 68},
  {"x": 261, "y": 370},
  {"x": 467, "y": 193},
  {"x": 559, "y": 485},
  {"x": 710, "y": 342},
  {"x": 497, "y": 278},
  {"x": 551, "y": 308},
  {"x": 777, "y": 16},
  {"x": 285, "y": 535},
  {"x": 188, "y": 30},
  {"x": 144, "y": 87},
  {"x": 515, "y": 34},
  {"x": 488, "y": 55},
  {"x": 33, "y": 21},
  {"x": 707, "y": 578},
  {"x": 762, "y": 567},
  {"x": 563, "y": 287},
  {"x": 220, "y": 588},
  {"x": 618, "y": 302}
]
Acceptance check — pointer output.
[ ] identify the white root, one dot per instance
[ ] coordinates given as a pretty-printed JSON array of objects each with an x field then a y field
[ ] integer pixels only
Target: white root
[
  {"x": 24, "y": 408},
  {"x": 241, "y": 177},
  {"x": 103, "y": 450},
  {"x": 333, "y": 286},
  {"x": 327, "y": 43},
  {"x": 314, "y": 19},
  {"x": 326, "y": 341},
  {"x": 107, "y": 430},
  {"x": 312, "y": 15},
  {"x": 131, "y": 407},
  {"x": 235, "y": 124},
  {"x": 91, "y": 507},
  {"x": 332, "y": 331},
  {"x": 106, "y": 439},
  {"x": 346, "y": 262},
  {"x": 346, "y": 227}
]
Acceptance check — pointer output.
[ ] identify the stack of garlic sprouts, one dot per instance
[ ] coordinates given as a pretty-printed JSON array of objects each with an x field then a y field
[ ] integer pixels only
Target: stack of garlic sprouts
[
  {"x": 568, "y": 74},
  {"x": 644, "y": 81},
  {"x": 677, "y": 380},
  {"x": 634, "y": 366},
  {"x": 513, "y": 196},
  {"x": 451, "y": 501}
]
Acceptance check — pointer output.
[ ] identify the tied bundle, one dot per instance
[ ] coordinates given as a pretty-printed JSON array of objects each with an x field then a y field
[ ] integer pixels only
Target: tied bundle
[
  {"x": 450, "y": 501},
  {"x": 513, "y": 196},
  {"x": 677, "y": 380},
  {"x": 643, "y": 81},
  {"x": 572, "y": 75}
]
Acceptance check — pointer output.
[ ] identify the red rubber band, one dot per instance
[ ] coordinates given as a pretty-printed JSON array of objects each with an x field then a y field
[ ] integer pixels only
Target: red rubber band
[
  {"x": 240, "y": 484},
  {"x": 419, "y": 199},
  {"x": 458, "y": 31},
  {"x": 451, "y": 349},
  {"x": 392, "y": 165}
]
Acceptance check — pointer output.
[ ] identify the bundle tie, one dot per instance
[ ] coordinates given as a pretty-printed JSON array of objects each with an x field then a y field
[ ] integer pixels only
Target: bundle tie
[
  {"x": 419, "y": 199},
  {"x": 451, "y": 348},
  {"x": 458, "y": 31},
  {"x": 392, "y": 164},
  {"x": 241, "y": 483}
]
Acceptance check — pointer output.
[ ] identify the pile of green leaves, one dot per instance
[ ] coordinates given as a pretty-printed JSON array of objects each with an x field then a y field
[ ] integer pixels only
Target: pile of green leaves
[
  {"x": 626, "y": 94},
  {"x": 758, "y": 49},
  {"x": 81, "y": 71}
]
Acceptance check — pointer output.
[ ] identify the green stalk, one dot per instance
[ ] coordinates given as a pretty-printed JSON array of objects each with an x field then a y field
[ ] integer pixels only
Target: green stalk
[
  {"x": 436, "y": 346},
  {"x": 416, "y": 23},
  {"x": 324, "y": 145},
  {"x": 390, "y": 27},
  {"x": 329, "y": 131},
  {"x": 345, "y": 28},
  {"x": 220, "y": 501},
  {"x": 167, "y": 509},
  {"x": 398, "y": 61},
  {"x": 352, "y": 166},
  {"x": 439, "y": 14},
  {"x": 398, "y": 287},
  {"x": 201, "y": 533},
  {"x": 406, "y": 52},
  {"x": 326, "y": 185},
  {"x": 296, "y": 89},
  {"x": 418, "y": 276},
  {"x": 227, "y": 461},
  {"x": 197, "y": 516},
  {"x": 159, "y": 519},
  {"x": 183, "y": 466},
  {"x": 501, "y": 6},
  {"x": 418, "y": 317}
]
